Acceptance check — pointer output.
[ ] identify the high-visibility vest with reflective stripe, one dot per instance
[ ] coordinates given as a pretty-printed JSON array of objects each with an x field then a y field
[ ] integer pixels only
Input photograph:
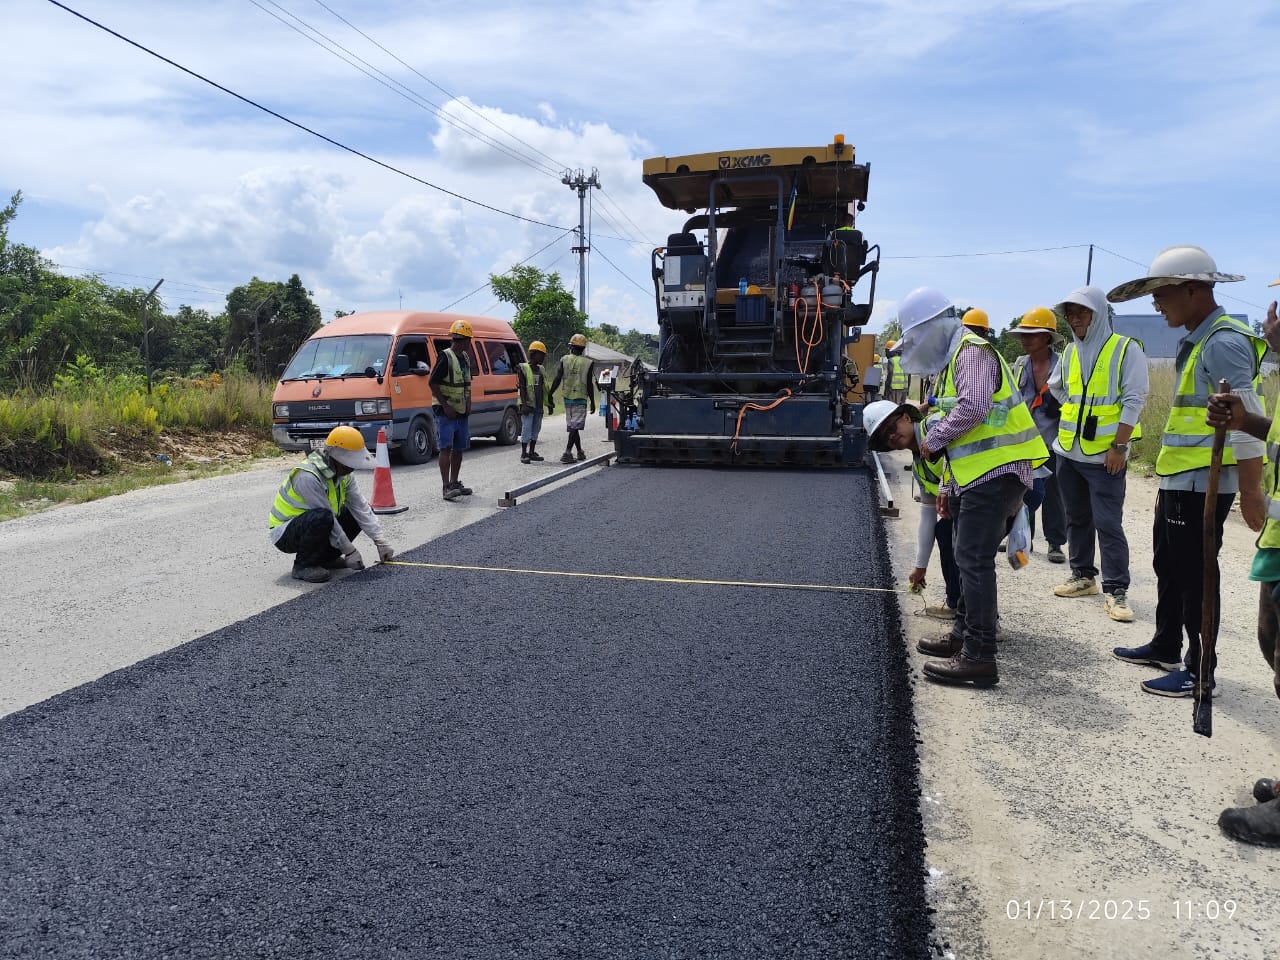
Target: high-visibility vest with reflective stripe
[
  {"x": 897, "y": 376},
  {"x": 457, "y": 386},
  {"x": 1187, "y": 443},
  {"x": 1100, "y": 397},
  {"x": 927, "y": 475},
  {"x": 987, "y": 446},
  {"x": 1270, "y": 535},
  {"x": 289, "y": 505},
  {"x": 575, "y": 368}
]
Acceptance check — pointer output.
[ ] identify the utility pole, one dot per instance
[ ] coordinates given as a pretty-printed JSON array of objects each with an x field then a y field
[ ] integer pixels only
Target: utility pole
[
  {"x": 577, "y": 180},
  {"x": 146, "y": 331}
]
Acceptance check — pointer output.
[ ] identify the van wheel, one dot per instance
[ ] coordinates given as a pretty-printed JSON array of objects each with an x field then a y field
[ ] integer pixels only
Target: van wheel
[
  {"x": 421, "y": 444},
  {"x": 509, "y": 432}
]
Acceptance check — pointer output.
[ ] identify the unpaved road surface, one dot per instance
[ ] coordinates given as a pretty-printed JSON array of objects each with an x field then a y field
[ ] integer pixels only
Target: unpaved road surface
[{"x": 417, "y": 761}]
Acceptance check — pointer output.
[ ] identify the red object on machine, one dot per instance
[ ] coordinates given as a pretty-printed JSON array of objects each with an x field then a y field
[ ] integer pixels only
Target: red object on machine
[{"x": 384, "y": 498}]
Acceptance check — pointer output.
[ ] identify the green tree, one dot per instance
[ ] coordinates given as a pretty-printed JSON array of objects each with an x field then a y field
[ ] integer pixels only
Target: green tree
[
  {"x": 267, "y": 321},
  {"x": 544, "y": 309}
]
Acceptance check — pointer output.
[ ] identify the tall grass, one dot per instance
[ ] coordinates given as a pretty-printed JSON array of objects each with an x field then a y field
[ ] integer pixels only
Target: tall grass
[
  {"x": 1156, "y": 412},
  {"x": 61, "y": 431}
]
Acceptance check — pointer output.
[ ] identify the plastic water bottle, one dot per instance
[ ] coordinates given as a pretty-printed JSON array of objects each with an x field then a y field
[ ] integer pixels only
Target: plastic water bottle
[
  {"x": 945, "y": 404},
  {"x": 742, "y": 286},
  {"x": 997, "y": 417}
]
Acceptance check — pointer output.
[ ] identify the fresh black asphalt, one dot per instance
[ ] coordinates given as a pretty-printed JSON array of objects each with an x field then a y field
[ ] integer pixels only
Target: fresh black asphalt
[{"x": 415, "y": 762}]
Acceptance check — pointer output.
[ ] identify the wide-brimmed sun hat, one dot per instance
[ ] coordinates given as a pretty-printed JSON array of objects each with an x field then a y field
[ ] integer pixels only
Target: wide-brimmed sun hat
[{"x": 1173, "y": 265}]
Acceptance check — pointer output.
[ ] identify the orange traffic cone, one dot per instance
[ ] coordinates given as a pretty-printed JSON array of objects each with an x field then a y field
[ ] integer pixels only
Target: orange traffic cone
[{"x": 384, "y": 498}]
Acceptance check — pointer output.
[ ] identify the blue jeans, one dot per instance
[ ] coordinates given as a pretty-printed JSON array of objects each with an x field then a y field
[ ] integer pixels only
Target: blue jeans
[
  {"x": 530, "y": 426},
  {"x": 1094, "y": 503},
  {"x": 979, "y": 515}
]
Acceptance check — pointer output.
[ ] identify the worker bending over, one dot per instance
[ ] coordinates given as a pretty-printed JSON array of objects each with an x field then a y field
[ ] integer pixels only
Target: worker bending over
[{"x": 319, "y": 510}]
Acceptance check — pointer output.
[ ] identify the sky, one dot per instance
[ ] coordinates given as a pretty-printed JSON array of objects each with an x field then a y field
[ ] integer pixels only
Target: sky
[{"x": 1004, "y": 138}]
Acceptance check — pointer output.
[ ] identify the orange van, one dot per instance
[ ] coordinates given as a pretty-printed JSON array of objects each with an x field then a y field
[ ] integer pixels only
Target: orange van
[{"x": 370, "y": 370}]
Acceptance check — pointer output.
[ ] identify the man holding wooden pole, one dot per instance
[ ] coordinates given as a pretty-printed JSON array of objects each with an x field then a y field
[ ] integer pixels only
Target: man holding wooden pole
[{"x": 1215, "y": 347}]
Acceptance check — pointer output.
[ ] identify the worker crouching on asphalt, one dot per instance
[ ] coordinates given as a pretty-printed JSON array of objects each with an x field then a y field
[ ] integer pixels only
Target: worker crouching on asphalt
[
  {"x": 1260, "y": 824},
  {"x": 992, "y": 448},
  {"x": 892, "y": 426},
  {"x": 319, "y": 510},
  {"x": 532, "y": 388},
  {"x": 579, "y": 395},
  {"x": 451, "y": 386}
]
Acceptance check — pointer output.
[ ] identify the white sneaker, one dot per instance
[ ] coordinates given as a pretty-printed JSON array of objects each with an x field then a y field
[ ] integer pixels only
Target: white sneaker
[
  {"x": 1077, "y": 587},
  {"x": 1117, "y": 606}
]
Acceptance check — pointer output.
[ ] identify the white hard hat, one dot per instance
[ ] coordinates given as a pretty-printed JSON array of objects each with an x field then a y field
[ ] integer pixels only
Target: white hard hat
[
  {"x": 1179, "y": 264},
  {"x": 875, "y": 414},
  {"x": 921, "y": 304}
]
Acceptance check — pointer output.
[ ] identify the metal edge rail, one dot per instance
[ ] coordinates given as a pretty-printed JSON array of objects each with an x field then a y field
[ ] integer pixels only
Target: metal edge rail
[
  {"x": 889, "y": 510},
  {"x": 509, "y": 498}
]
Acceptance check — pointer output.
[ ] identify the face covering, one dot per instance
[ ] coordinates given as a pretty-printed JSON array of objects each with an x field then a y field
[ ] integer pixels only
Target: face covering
[{"x": 927, "y": 348}]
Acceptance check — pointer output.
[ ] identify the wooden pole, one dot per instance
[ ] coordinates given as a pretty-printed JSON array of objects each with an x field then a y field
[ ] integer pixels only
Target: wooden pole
[{"x": 1202, "y": 711}]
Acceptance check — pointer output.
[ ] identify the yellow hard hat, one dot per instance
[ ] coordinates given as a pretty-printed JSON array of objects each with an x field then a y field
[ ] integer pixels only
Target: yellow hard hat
[
  {"x": 539, "y": 346},
  {"x": 345, "y": 445},
  {"x": 889, "y": 345},
  {"x": 875, "y": 358},
  {"x": 578, "y": 340},
  {"x": 976, "y": 318},
  {"x": 460, "y": 328},
  {"x": 1038, "y": 318}
]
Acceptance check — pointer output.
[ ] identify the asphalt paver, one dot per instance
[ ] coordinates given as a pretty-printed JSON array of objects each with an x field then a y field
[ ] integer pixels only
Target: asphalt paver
[{"x": 425, "y": 762}]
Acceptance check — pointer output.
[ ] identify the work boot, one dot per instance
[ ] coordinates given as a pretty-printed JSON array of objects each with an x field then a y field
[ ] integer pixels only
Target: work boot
[
  {"x": 1055, "y": 553},
  {"x": 451, "y": 492},
  {"x": 1258, "y": 825},
  {"x": 567, "y": 457},
  {"x": 311, "y": 574},
  {"x": 581, "y": 456},
  {"x": 1266, "y": 789},
  {"x": 962, "y": 669},
  {"x": 940, "y": 612},
  {"x": 462, "y": 489},
  {"x": 534, "y": 454},
  {"x": 524, "y": 458},
  {"x": 948, "y": 646},
  {"x": 1077, "y": 586}
]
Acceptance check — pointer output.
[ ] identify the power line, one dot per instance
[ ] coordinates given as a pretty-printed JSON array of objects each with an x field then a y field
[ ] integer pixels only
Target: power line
[
  {"x": 991, "y": 253},
  {"x": 405, "y": 92},
  {"x": 482, "y": 286},
  {"x": 639, "y": 229},
  {"x": 620, "y": 272},
  {"x": 306, "y": 129},
  {"x": 455, "y": 97}
]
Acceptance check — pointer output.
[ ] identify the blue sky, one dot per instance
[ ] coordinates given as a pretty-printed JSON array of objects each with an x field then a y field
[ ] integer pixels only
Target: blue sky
[{"x": 1039, "y": 127}]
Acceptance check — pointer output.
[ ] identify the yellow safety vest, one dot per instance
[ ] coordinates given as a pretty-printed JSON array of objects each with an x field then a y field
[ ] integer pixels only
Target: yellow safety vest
[
  {"x": 1100, "y": 397},
  {"x": 1007, "y": 435},
  {"x": 575, "y": 369},
  {"x": 1270, "y": 535},
  {"x": 1187, "y": 443},
  {"x": 897, "y": 376},
  {"x": 457, "y": 387},
  {"x": 289, "y": 505},
  {"x": 927, "y": 475}
]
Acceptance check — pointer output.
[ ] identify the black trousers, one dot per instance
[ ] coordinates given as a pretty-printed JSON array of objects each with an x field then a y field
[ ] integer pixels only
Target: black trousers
[
  {"x": 1178, "y": 561},
  {"x": 307, "y": 535}
]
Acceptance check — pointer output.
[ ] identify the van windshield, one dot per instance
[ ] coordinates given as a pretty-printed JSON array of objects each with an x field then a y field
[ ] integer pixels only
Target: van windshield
[{"x": 340, "y": 357}]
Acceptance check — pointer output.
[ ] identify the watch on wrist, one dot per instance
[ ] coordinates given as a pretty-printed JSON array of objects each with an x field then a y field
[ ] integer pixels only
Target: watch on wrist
[{"x": 1122, "y": 447}]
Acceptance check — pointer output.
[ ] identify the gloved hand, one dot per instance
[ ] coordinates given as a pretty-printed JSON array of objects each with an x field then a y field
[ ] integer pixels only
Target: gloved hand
[
  {"x": 353, "y": 560},
  {"x": 384, "y": 550}
]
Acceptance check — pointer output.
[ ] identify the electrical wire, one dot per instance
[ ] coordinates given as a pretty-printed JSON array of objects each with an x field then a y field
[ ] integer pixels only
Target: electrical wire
[
  {"x": 557, "y": 164},
  {"x": 518, "y": 263},
  {"x": 405, "y": 92},
  {"x": 623, "y": 275},
  {"x": 991, "y": 253},
  {"x": 304, "y": 128}
]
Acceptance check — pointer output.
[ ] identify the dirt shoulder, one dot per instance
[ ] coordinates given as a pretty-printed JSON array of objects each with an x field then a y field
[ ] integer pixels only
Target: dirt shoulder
[{"x": 1069, "y": 794}]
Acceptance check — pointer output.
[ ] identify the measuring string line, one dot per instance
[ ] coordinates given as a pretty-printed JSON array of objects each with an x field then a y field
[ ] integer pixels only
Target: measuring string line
[{"x": 821, "y": 587}]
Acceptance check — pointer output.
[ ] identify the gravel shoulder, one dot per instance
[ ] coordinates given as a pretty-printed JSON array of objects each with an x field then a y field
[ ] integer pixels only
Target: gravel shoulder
[{"x": 1067, "y": 790}]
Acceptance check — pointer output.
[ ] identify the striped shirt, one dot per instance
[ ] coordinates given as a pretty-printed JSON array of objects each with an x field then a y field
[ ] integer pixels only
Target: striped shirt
[{"x": 977, "y": 378}]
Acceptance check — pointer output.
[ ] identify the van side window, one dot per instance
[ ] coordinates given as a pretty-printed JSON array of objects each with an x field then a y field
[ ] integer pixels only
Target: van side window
[
  {"x": 501, "y": 360},
  {"x": 444, "y": 344},
  {"x": 414, "y": 350}
]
